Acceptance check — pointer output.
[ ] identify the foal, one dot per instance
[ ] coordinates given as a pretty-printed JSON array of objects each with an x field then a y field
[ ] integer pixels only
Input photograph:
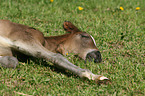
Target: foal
[{"x": 15, "y": 38}]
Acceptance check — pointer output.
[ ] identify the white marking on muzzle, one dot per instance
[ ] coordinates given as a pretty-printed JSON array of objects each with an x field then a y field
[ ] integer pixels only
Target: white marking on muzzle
[{"x": 93, "y": 40}]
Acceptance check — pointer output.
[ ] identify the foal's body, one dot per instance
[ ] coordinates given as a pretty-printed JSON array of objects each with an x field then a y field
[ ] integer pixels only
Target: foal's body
[{"x": 29, "y": 41}]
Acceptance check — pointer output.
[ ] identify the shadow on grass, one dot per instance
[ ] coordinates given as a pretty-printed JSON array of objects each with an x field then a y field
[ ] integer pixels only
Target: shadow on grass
[{"x": 30, "y": 59}]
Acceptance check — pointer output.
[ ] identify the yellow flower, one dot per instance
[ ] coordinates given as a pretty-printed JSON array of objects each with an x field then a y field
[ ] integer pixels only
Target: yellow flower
[
  {"x": 51, "y": 1},
  {"x": 80, "y": 8},
  {"x": 137, "y": 8},
  {"x": 121, "y": 8},
  {"x": 66, "y": 54}
]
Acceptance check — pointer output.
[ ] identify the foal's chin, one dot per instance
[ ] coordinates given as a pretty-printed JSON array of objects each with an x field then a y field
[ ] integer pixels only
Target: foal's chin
[{"x": 94, "y": 56}]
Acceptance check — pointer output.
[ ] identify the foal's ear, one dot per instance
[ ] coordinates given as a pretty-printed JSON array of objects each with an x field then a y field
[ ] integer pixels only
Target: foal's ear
[{"x": 69, "y": 27}]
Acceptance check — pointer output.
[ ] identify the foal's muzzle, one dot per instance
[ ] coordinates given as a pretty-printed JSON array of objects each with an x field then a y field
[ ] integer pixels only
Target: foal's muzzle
[{"x": 94, "y": 56}]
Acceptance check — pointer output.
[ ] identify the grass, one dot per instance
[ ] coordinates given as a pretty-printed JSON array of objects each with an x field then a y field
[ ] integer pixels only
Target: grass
[{"x": 119, "y": 36}]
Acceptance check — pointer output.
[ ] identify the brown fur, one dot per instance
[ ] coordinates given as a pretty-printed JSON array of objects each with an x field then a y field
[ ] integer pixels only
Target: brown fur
[{"x": 32, "y": 42}]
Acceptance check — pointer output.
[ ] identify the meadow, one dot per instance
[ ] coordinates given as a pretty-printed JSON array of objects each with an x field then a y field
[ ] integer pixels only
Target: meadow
[{"x": 118, "y": 29}]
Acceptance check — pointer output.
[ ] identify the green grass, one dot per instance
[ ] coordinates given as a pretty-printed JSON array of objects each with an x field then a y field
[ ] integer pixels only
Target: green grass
[{"x": 119, "y": 36}]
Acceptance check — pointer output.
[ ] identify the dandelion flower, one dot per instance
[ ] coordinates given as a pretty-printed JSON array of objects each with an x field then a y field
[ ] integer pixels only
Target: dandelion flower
[
  {"x": 80, "y": 8},
  {"x": 137, "y": 8},
  {"x": 66, "y": 53},
  {"x": 51, "y": 1},
  {"x": 121, "y": 8}
]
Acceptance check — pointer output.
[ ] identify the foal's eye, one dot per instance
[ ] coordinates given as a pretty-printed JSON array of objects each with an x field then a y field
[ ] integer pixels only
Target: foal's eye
[{"x": 84, "y": 35}]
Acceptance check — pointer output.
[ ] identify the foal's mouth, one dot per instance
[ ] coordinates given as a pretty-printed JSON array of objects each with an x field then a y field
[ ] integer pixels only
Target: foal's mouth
[{"x": 94, "y": 56}]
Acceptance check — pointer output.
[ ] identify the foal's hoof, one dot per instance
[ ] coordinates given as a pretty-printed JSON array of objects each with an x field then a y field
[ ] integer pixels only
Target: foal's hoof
[
  {"x": 102, "y": 80},
  {"x": 8, "y": 61}
]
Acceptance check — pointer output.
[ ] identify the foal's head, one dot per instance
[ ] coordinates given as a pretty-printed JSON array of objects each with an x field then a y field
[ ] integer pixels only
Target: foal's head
[{"x": 81, "y": 43}]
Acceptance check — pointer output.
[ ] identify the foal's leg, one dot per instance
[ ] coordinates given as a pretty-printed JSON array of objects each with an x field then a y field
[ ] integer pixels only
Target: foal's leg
[
  {"x": 6, "y": 58},
  {"x": 34, "y": 48}
]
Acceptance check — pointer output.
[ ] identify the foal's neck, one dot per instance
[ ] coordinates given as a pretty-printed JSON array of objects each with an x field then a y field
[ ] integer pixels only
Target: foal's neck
[{"x": 53, "y": 42}]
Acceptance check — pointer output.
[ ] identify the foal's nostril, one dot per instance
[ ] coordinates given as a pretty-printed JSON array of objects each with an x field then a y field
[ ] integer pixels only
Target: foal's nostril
[
  {"x": 98, "y": 55},
  {"x": 94, "y": 55}
]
